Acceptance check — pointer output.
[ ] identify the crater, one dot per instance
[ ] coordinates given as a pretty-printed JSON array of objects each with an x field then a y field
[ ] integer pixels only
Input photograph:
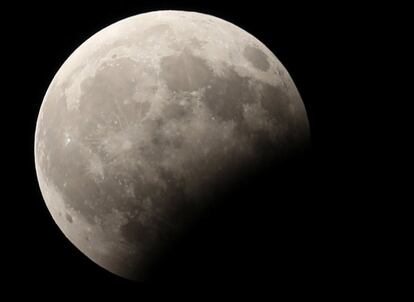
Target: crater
[
  {"x": 256, "y": 57},
  {"x": 69, "y": 218}
]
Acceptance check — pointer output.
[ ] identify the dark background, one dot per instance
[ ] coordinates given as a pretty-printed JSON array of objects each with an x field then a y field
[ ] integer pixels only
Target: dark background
[{"x": 294, "y": 227}]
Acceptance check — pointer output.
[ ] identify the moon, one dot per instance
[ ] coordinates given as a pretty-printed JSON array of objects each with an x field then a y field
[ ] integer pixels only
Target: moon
[{"x": 146, "y": 120}]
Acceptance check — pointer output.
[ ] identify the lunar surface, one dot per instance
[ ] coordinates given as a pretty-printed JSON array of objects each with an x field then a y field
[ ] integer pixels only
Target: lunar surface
[{"x": 146, "y": 119}]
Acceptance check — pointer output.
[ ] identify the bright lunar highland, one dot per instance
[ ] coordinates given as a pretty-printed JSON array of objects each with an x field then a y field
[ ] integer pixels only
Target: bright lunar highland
[{"x": 147, "y": 119}]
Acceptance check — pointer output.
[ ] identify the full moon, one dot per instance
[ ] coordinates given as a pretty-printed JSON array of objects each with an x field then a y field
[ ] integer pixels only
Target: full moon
[{"x": 147, "y": 119}]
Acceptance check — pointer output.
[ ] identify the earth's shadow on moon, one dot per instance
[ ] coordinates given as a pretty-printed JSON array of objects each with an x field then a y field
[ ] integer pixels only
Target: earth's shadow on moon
[{"x": 256, "y": 227}]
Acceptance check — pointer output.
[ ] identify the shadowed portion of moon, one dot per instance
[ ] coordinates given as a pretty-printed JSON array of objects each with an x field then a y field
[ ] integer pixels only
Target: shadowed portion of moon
[{"x": 153, "y": 121}]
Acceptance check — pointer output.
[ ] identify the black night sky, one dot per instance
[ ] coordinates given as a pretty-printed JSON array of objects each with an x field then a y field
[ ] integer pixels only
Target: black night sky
[{"x": 289, "y": 227}]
